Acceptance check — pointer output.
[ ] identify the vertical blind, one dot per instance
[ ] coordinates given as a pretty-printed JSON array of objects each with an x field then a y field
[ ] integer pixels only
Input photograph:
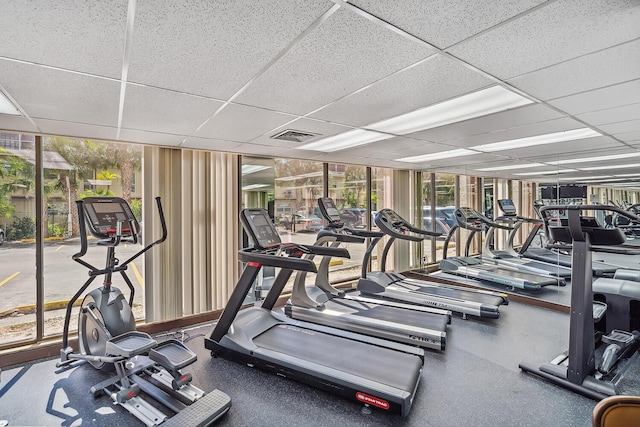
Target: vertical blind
[{"x": 195, "y": 270}]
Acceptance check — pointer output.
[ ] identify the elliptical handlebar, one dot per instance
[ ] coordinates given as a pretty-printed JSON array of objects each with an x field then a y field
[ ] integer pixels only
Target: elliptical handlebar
[
  {"x": 116, "y": 239},
  {"x": 83, "y": 232},
  {"x": 163, "y": 237}
]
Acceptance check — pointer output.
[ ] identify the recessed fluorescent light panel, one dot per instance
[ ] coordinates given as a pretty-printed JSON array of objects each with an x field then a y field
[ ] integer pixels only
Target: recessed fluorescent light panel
[
  {"x": 7, "y": 107},
  {"x": 595, "y": 159},
  {"x": 477, "y": 104},
  {"x": 254, "y": 186},
  {"x": 577, "y": 178},
  {"x": 437, "y": 156},
  {"x": 546, "y": 172},
  {"x": 249, "y": 169},
  {"x": 600, "y": 168},
  {"x": 510, "y": 167},
  {"x": 352, "y": 138},
  {"x": 531, "y": 141}
]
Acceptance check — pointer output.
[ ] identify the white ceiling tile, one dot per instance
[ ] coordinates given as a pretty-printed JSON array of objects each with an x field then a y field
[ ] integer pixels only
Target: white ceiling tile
[
  {"x": 443, "y": 22},
  {"x": 213, "y": 48},
  {"x": 628, "y": 136},
  {"x": 211, "y": 144},
  {"x": 345, "y": 53},
  {"x": 400, "y": 145},
  {"x": 265, "y": 150},
  {"x": 560, "y": 31},
  {"x": 153, "y": 138},
  {"x": 152, "y": 109},
  {"x": 241, "y": 123},
  {"x": 517, "y": 117},
  {"x": 61, "y": 95},
  {"x": 575, "y": 148},
  {"x": 621, "y": 127},
  {"x": 461, "y": 161},
  {"x": 611, "y": 148},
  {"x": 85, "y": 36},
  {"x": 435, "y": 80},
  {"x": 607, "y": 67},
  {"x": 77, "y": 130},
  {"x": 600, "y": 99},
  {"x": 524, "y": 131},
  {"x": 612, "y": 115},
  {"x": 17, "y": 123}
]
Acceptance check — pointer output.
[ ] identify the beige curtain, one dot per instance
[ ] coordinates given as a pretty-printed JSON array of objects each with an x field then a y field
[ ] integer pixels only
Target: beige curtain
[{"x": 195, "y": 270}]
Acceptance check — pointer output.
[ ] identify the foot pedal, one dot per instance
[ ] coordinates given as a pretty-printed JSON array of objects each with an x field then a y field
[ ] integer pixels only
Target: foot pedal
[
  {"x": 622, "y": 338},
  {"x": 203, "y": 412},
  {"x": 130, "y": 344},
  {"x": 173, "y": 355},
  {"x": 599, "y": 309}
]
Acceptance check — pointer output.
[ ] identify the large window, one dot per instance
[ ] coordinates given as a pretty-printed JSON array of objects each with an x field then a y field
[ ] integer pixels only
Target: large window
[
  {"x": 17, "y": 235},
  {"x": 71, "y": 169},
  {"x": 74, "y": 169}
]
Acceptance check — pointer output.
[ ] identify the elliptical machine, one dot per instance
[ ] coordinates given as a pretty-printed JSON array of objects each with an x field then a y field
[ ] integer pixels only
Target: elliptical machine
[
  {"x": 603, "y": 358},
  {"x": 107, "y": 337}
]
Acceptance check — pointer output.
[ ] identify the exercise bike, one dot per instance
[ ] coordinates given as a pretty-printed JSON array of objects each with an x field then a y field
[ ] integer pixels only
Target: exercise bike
[{"x": 107, "y": 338}]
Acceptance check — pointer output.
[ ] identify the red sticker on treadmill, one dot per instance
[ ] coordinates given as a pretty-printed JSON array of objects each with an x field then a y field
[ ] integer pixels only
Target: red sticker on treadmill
[{"x": 372, "y": 400}]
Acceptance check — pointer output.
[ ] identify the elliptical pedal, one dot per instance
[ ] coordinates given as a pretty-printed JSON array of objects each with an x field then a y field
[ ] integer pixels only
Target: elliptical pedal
[
  {"x": 130, "y": 344},
  {"x": 173, "y": 355}
]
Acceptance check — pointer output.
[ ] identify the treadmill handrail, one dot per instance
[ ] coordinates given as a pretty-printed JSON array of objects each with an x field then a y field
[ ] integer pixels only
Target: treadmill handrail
[
  {"x": 400, "y": 228},
  {"x": 340, "y": 237},
  {"x": 272, "y": 260}
]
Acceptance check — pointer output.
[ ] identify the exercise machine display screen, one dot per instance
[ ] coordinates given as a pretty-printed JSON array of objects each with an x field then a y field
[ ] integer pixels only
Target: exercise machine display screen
[
  {"x": 467, "y": 213},
  {"x": 260, "y": 228},
  {"x": 328, "y": 208},
  {"x": 507, "y": 206},
  {"x": 104, "y": 213},
  {"x": 393, "y": 216}
]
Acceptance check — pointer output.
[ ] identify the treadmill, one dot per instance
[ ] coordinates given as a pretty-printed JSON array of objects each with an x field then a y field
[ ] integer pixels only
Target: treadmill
[
  {"x": 476, "y": 268},
  {"x": 600, "y": 268},
  {"x": 377, "y": 373},
  {"x": 389, "y": 286},
  {"x": 509, "y": 257},
  {"x": 326, "y": 305}
]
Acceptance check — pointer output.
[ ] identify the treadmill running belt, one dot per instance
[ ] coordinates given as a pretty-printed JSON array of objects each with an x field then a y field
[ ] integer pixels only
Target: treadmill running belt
[
  {"x": 457, "y": 294},
  {"x": 357, "y": 358},
  {"x": 435, "y": 322}
]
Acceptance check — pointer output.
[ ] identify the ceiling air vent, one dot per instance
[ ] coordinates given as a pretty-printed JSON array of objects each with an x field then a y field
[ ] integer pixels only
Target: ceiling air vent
[{"x": 294, "y": 135}]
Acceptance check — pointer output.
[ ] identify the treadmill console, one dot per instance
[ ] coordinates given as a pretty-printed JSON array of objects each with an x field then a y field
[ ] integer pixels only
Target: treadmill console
[
  {"x": 390, "y": 217},
  {"x": 466, "y": 214},
  {"x": 507, "y": 207},
  {"x": 259, "y": 227},
  {"x": 328, "y": 209},
  {"x": 104, "y": 213}
]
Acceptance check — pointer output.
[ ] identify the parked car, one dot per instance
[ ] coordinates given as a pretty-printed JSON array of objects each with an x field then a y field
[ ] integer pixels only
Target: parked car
[
  {"x": 349, "y": 218},
  {"x": 311, "y": 223},
  {"x": 444, "y": 218},
  {"x": 1, "y": 237}
]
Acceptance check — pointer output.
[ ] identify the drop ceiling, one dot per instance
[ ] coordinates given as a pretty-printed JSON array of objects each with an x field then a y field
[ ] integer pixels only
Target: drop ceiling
[{"x": 229, "y": 75}]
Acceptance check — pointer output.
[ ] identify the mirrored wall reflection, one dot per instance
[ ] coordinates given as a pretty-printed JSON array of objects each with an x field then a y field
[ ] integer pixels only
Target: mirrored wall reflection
[
  {"x": 348, "y": 188},
  {"x": 381, "y": 197}
]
